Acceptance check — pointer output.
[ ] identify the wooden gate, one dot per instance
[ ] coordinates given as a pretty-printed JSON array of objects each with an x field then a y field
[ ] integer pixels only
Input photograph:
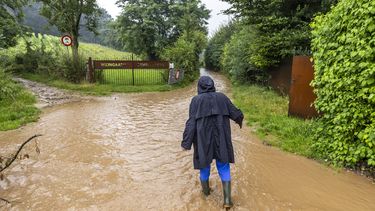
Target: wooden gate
[{"x": 301, "y": 95}]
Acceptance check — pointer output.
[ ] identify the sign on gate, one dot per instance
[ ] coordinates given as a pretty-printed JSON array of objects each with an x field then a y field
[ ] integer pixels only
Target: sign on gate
[
  {"x": 128, "y": 71},
  {"x": 116, "y": 64}
]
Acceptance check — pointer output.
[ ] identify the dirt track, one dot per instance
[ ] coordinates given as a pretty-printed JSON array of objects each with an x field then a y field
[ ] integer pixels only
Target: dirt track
[{"x": 48, "y": 96}]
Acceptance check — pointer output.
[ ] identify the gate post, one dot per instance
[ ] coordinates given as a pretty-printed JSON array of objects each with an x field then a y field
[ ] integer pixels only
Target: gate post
[
  {"x": 91, "y": 78},
  {"x": 133, "y": 68}
]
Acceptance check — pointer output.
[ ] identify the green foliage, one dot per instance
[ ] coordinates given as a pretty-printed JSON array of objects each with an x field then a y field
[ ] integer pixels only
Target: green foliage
[
  {"x": 184, "y": 53},
  {"x": 344, "y": 49},
  {"x": 45, "y": 55},
  {"x": 16, "y": 104},
  {"x": 8, "y": 89},
  {"x": 41, "y": 57},
  {"x": 106, "y": 35},
  {"x": 235, "y": 59},
  {"x": 215, "y": 46},
  {"x": 66, "y": 15},
  {"x": 10, "y": 15},
  {"x": 282, "y": 26},
  {"x": 148, "y": 26},
  {"x": 267, "y": 113}
]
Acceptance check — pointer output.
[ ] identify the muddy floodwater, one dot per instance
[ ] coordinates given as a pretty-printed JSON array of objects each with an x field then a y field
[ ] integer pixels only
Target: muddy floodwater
[{"x": 123, "y": 153}]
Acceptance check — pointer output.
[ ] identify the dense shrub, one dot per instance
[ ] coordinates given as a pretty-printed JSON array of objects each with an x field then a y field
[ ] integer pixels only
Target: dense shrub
[
  {"x": 16, "y": 104},
  {"x": 344, "y": 55},
  {"x": 8, "y": 89},
  {"x": 215, "y": 46},
  {"x": 236, "y": 57},
  {"x": 184, "y": 53},
  {"x": 44, "y": 55}
]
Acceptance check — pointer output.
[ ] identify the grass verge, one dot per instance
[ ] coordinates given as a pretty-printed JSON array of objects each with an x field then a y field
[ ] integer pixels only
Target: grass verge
[
  {"x": 267, "y": 113},
  {"x": 17, "y": 109},
  {"x": 101, "y": 89}
]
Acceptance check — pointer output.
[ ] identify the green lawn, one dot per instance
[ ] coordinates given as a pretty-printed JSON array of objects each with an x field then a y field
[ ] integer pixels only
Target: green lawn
[
  {"x": 102, "y": 89},
  {"x": 267, "y": 113},
  {"x": 141, "y": 77}
]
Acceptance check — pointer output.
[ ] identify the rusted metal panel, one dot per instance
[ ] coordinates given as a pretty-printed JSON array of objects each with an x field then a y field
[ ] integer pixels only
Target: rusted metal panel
[
  {"x": 119, "y": 64},
  {"x": 301, "y": 95}
]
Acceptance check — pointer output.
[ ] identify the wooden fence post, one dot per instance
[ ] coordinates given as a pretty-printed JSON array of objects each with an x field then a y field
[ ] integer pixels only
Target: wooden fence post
[{"x": 91, "y": 78}]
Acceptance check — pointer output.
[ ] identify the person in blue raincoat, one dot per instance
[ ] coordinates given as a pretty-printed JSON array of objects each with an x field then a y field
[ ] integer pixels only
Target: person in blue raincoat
[{"x": 208, "y": 130}]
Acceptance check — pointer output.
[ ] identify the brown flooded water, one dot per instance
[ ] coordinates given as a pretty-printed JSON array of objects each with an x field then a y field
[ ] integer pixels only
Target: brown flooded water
[{"x": 123, "y": 153}]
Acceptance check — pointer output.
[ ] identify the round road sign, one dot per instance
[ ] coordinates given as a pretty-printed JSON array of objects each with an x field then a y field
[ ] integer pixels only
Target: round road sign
[{"x": 66, "y": 40}]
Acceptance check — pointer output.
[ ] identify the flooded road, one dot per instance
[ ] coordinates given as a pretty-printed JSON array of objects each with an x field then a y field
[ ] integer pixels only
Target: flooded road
[{"x": 123, "y": 153}]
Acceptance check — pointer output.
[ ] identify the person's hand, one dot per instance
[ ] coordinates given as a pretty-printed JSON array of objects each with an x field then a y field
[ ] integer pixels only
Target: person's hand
[
  {"x": 239, "y": 120},
  {"x": 240, "y": 124},
  {"x": 183, "y": 149}
]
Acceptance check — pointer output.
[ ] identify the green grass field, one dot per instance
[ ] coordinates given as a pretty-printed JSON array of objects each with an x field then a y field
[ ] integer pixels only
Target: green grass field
[
  {"x": 52, "y": 45},
  {"x": 267, "y": 113},
  {"x": 102, "y": 89},
  {"x": 125, "y": 77}
]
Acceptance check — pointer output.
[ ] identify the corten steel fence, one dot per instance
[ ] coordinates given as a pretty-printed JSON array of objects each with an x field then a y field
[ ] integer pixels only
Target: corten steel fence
[
  {"x": 130, "y": 71},
  {"x": 301, "y": 94},
  {"x": 293, "y": 77}
]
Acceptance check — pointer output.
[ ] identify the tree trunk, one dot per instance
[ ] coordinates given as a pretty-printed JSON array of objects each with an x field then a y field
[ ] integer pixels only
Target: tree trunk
[
  {"x": 75, "y": 45},
  {"x": 152, "y": 56},
  {"x": 75, "y": 72}
]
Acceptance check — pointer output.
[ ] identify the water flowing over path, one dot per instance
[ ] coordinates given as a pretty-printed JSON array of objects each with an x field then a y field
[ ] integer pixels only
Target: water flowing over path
[{"x": 123, "y": 153}]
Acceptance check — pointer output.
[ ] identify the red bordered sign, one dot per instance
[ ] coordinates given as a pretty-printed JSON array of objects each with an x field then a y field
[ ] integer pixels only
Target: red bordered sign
[{"x": 66, "y": 40}]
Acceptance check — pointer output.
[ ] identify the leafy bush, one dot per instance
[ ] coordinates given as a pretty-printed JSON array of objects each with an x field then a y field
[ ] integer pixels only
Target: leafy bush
[
  {"x": 343, "y": 50},
  {"x": 16, "y": 104},
  {"x": 44, "y": 55},
  {"x": 184, "y": 53},
  {"x": 215, "y": 46},
  {"x": 236, "y": 55},
  {"x": 8, "y": 89},
  {"x": 283, "y": 27}
]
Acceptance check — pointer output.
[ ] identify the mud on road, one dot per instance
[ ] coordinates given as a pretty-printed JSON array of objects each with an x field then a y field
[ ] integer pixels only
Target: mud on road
[
  {"x": 123, "y": 153},
  {"x": 48, "y": 96}
]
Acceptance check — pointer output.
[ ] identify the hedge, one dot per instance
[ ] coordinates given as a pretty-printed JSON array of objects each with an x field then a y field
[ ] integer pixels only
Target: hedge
[{"x": 344, "y": 58}]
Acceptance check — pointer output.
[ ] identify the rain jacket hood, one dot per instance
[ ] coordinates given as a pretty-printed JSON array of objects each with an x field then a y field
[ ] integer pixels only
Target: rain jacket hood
[{"x": 206, "y": 84}]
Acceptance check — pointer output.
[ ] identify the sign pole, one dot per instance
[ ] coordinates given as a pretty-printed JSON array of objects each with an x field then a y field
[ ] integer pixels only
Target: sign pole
[
  {"x": 67, "y": 49},
  {"x": 67, "y": 41}
]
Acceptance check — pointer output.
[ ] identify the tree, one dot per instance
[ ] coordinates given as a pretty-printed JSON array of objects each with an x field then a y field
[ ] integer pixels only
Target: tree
[
  {"x": 10, "y": 15},
  {"x": 148, "y": 26},
  {"x": 215, "y": 47},
  {"x": 66, "y": 15},
  {"x": 282, "y": 26}
]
